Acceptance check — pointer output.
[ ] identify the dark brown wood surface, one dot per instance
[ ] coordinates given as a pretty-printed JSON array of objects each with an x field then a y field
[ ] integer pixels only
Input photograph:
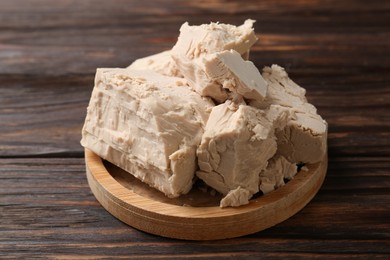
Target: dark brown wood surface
[{"x": 49, "y": 50}]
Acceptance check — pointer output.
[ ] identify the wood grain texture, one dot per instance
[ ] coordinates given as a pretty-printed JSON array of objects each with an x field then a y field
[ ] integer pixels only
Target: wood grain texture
[
  {"x": 47, "y": 209},
  {"x": 49, "y": 50}
]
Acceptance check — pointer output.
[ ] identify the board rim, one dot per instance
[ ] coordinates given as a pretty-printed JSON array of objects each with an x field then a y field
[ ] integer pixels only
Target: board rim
[{"x": 202, "y": 223}]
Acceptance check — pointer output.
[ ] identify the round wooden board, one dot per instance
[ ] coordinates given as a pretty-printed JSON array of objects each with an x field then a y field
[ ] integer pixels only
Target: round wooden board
[{"x": 196, "y": 216}]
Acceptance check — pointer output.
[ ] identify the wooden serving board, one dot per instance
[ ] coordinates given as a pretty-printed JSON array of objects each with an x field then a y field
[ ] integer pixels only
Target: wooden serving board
[{"x": 197, "y": 215}]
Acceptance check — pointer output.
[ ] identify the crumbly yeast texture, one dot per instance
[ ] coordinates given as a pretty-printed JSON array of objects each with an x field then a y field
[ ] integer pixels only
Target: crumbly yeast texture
[
  {"x": 147, "y": 124},
  {"x": 278, "y": 169},
  {"x": 235, "y": 148},
  {"x": 304, "y": 138},
  {"x": 197, "y": 43},
  {"x": 161, "y": 63}
]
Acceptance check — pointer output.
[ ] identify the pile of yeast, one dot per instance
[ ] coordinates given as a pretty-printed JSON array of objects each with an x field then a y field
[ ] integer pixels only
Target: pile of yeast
[{"x": 202, "y": 110}]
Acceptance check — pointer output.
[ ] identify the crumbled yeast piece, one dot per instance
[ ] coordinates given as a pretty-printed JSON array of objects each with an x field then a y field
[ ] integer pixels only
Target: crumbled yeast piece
[
  {"x": 235, "y": 198},
  {"x": 236, "y": 146},
  {"x": 229, "y": 70},
  {"x": 195, "y": 45},
  {"x": 148, "y": 124},
  {"x": 277, "y": 170},
  {"x": 303, "y": 140},
  {"x": 195, "y": 41}
]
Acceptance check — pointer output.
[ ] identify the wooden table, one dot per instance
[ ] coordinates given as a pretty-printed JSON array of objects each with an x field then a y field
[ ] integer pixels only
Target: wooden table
[{"x": 49, "y": 50}]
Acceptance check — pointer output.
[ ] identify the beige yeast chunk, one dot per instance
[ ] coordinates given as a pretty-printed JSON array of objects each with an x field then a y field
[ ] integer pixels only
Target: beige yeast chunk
[
  {"x": 148, "y": 124},
  {"x": 196, "y": 42},
  {"x": 235, "y": 148}
]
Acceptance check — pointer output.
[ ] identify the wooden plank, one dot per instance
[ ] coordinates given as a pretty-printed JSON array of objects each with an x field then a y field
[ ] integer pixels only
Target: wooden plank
[
  {"x": 40, "y": 116},
  {"x": 65, "y": 37},
  {"x": 47, "y": 209}
]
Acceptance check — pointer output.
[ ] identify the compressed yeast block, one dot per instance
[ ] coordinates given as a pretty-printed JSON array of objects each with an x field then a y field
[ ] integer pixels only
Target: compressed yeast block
[
  {"x": 147, "y": 124},
  {"x": 197, "y": 42},
  {"x": 235, "y": 148},
  {"x": 304, "y": 139}
]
